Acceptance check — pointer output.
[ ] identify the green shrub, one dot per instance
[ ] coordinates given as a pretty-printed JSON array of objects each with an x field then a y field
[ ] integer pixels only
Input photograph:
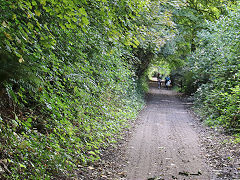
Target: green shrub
[
  {"x": 217, "y": 61},
  {"x": 70, "y": 90}
]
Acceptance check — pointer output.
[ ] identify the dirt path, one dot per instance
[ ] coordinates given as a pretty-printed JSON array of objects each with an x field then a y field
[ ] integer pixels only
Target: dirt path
[{"x": 165, "y": 144}]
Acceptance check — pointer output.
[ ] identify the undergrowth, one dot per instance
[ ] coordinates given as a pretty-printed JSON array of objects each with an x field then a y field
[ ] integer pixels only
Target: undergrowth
[
  {"x": 70, "y": 89},
  {"x": 62, "y": 123}
]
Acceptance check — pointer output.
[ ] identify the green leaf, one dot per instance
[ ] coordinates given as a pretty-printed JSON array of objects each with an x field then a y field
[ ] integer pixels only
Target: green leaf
[
  {"x": 22, "y": 165},
  {"x": 74, "y": 19},
  {"x": 82, "y": 11},
  {"x": 34, "y": 3},
  {"x": 92, "y": 153},
  {"x": 30, "y": 26},
  {"x": 43, "y": 2},
  {"x": 37, "y": 12},
  {"x": 29, "y": 120},
  {"x": 85, "y": 20}
]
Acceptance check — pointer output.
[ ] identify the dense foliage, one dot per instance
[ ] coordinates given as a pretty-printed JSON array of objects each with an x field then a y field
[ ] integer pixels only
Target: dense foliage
[
  {"x": 203, "y": 56},
  {"x": 216, "y": 69},
  {"x": 73, "y": 73},
  {"x": 67, "y": 88},
  {"x": 209, "y": 46},
  {"x": 72, "y": 76}
]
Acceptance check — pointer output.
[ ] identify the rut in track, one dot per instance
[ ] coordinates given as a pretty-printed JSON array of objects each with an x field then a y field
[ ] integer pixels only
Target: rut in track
[{"x": 165, "y": 144}]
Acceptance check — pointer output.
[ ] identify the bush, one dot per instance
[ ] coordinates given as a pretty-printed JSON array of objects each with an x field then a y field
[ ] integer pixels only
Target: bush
[
  {"x": 70, "y": 90},
  {"x": 215, "y": 64}
]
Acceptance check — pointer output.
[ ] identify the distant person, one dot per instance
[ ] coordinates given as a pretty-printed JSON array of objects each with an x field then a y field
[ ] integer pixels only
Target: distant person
[
  {"x": 159, "y": 80},
  {"x": 168, "y": 84},
  {"x": 166, "y": 80}
]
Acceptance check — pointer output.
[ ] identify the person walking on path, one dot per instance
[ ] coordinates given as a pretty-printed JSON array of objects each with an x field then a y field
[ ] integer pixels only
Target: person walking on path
[
  {"x": 167, "y": 78},
  {"x": 168, "y": 84},
  {"x": 159, "y": 80}
]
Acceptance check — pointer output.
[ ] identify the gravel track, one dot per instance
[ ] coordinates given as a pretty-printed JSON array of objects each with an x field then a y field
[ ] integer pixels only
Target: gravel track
[
  {"x": 165, "y": 144},
  {"x": 168, "y": 141}
]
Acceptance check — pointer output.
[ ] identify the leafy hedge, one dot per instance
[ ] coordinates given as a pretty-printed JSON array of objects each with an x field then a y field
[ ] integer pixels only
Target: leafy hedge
[
  {"x": 67, "y": 87},
  {"x": 216, "y": 69},
  {"x": 208, "y": 44}
]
